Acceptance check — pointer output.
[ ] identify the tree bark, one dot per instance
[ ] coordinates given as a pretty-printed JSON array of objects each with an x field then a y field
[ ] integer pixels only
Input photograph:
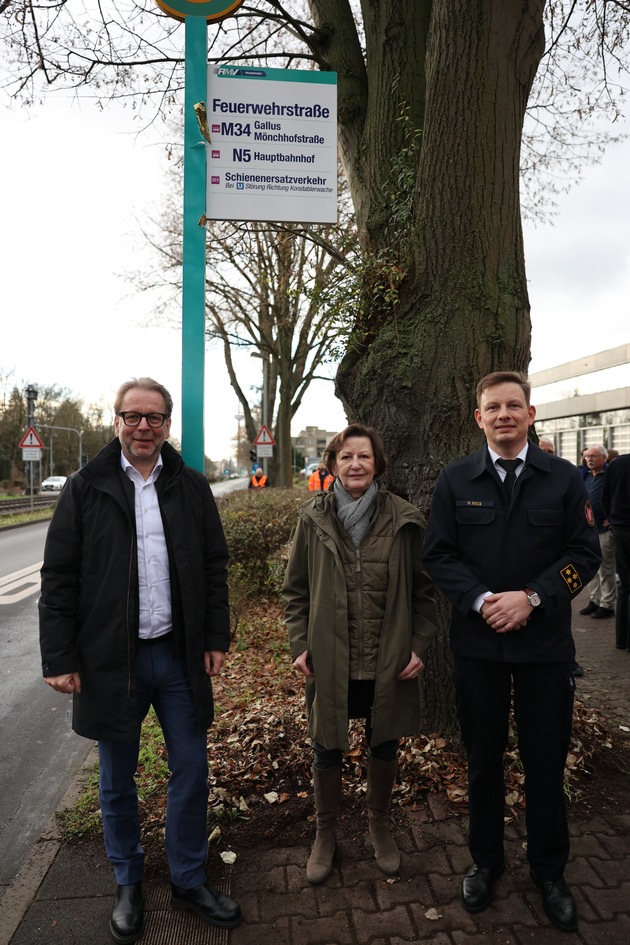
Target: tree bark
[{"x": 463, "y": 308}]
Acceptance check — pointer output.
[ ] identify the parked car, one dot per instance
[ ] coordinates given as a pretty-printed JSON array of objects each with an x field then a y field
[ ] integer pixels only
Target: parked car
[{"x": 53, "y": 483}]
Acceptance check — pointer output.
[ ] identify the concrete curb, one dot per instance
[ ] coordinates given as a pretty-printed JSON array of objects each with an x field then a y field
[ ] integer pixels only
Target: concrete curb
[{"x": 23, "y": 890}]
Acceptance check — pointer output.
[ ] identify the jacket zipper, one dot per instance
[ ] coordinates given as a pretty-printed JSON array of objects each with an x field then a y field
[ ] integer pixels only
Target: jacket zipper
[
  {"x": 357, "y": 569},
  {"x": 128, "y": 604}
]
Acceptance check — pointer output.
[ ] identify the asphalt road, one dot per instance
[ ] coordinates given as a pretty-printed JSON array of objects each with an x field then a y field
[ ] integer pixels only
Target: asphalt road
[{"x": 39, "y": 753}]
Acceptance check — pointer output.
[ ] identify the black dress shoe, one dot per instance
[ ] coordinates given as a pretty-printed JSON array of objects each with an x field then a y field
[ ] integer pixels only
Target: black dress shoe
[
  {"x": 558, "y": 903},
  {"x": 127, "y": 921},
  {"x": 478, "y": 887},
  {"x": 213, "y": 906},
  {"x": 602, "y": 613},
  {"x": 588, "y": 610}
]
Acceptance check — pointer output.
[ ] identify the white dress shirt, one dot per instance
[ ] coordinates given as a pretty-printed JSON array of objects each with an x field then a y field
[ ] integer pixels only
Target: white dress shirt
[{"x": 153, "y": 570}]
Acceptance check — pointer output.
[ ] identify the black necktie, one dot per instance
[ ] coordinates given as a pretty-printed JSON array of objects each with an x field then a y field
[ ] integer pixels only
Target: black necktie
[{"x": 510, "y": 466}]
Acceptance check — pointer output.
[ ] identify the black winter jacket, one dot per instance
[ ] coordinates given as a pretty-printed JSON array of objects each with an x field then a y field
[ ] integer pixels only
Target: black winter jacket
[{"x": 89, "y": 601}]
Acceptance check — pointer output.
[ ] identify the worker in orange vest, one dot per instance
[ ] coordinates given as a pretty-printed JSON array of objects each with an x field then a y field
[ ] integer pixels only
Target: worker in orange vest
[
  {"x": 320, "y": 480},
  {"x": 258, "y": 480}
]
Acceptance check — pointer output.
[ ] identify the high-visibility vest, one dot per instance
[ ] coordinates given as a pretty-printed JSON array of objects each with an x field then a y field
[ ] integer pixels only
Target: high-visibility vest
[
  {"x": 259, "y": 481},
  {"x": 315, "y": 484}
]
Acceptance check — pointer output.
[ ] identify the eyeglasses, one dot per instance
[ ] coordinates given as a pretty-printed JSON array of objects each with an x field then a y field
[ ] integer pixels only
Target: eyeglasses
[{"x": 132, "y": 419}]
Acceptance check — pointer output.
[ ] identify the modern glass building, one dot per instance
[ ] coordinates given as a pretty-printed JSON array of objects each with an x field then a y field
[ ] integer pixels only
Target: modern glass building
[{"x": 584, "y": 402}]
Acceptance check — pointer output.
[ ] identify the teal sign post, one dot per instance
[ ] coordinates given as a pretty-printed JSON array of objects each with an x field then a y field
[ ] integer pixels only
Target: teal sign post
[{"x": 195, "y": 14}]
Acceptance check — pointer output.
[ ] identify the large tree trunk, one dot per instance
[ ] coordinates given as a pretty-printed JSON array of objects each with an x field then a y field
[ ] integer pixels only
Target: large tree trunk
[{"x": 463, "y": 308}]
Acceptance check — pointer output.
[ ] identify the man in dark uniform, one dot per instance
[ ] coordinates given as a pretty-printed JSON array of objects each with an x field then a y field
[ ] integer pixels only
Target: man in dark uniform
[
  {"x": 510, "y": 542},
  {"x": 616, "y": 504}
]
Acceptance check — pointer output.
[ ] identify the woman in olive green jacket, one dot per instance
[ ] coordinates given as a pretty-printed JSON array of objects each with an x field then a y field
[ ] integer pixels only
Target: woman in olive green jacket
[{"x": 360, "y": 615}]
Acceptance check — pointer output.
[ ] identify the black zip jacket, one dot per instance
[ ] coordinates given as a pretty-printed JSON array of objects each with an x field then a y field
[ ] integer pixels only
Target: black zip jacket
[{"x": 89, "y": 601}]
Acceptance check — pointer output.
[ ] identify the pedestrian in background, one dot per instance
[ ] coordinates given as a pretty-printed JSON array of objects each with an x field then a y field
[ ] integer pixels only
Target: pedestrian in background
[
  {"x": 360, "y": 615},
  {"x": 511, "y": 541},
  {"x": 134, "y": 613},
  {"x": 602, "y": 589},
  {"x": 616, "y": 503},
  {"x": 320, "y": 479},
  {"x": 258, "y": 480}
]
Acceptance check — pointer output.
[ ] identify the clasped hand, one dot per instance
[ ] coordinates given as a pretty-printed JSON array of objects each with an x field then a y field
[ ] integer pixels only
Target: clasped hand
[{"x": 506, "y": 611}]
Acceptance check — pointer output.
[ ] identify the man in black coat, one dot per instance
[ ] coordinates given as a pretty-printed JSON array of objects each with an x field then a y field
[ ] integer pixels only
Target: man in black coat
[
  {"x": 510, "y": 542},
  {"x": 616, "y": 504},
  {"x": 133, "y": 613}
]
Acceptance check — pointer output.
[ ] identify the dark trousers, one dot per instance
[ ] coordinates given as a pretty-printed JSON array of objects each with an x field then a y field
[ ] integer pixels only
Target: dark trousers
[
  {"x": 162, "y": 682},
  {"x": 543, "y": 708},
  {"x": 622, "y": 614},
  {"x": 360, "y": 701}
]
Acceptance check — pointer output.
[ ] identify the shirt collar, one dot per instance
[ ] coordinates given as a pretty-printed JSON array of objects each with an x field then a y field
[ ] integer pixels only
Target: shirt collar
[
  {"x": 522, "y": 455},
  {"x": 129, "y": 467}
]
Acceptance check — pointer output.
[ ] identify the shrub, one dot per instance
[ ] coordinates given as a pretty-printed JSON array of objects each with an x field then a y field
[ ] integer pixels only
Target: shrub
[{"x": 258, "y": 527}]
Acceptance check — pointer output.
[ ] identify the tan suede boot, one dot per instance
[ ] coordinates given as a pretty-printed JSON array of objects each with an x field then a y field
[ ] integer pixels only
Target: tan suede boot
[
  {"x": 327, "y": 789},
  {"x": 381, "y": 777}
]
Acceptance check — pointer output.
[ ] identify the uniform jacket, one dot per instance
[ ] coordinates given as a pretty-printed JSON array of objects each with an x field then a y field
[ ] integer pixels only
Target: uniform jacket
[
  {"x": 89, "y": 600},
  {"x": 317, "y": 620},
  {"x": 544, "y": 539}
]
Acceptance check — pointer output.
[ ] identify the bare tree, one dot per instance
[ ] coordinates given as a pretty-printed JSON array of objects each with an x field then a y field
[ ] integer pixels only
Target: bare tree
[{"x": 279, "y": 292}]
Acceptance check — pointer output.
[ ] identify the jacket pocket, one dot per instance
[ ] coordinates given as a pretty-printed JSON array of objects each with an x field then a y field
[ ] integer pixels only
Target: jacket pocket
[
  {"x": 546, "y": 518},
  {"x": 475, "y": 515}
]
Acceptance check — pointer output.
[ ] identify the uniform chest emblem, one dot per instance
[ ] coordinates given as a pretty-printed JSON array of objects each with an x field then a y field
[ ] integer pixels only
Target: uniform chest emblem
[{"x": 588, "y": 512}]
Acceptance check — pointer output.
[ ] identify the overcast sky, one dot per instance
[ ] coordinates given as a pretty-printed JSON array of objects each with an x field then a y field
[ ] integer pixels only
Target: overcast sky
[{"x": 77, "y": 184}]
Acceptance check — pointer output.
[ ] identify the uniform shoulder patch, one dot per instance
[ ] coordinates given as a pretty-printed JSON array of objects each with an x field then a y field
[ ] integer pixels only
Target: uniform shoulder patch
[
  {"x": 571, "y": 578},
  {"x": 588, "y": 512}
]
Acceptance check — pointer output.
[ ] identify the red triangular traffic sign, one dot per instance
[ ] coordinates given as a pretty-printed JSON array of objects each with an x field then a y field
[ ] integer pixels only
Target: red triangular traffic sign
[
  {"x": 264, "y": 437},
  {"x": 31, "y": 438}
]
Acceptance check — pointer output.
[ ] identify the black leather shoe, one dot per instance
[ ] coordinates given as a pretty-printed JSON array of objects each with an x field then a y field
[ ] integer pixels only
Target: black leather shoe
[
  {"x": 588, "y": 610},
  {"x": 602, "y": 613},
  {"x": 478, "y": 887},
  {"x": 127, "y": 921},
  {"x": 213, "y": 906},
  {"x": 558, "y": 903}
]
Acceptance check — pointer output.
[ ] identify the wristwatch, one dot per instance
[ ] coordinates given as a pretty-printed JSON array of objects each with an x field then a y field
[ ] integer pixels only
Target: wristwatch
[{"x": 532, "y": 597}]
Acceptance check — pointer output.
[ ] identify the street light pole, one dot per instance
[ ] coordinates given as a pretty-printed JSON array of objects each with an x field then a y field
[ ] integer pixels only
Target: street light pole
[
  {"x": 79, "y": 433},
  {"x": 238, "y": 417},
  {"x": 264, "y": 356}
]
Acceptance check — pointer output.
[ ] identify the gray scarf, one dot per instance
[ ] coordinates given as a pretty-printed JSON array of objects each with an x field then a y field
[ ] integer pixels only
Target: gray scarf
[{"x": 355, "y": 514}]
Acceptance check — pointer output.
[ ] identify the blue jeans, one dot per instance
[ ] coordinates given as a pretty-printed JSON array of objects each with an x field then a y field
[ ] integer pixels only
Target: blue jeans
[{"x": 162, "y": 682}]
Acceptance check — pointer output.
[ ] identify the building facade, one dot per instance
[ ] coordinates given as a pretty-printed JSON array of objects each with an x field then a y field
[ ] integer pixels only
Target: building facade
[
  {"x": 584, "y": 402},
  {"x": 311, "y": 442}
]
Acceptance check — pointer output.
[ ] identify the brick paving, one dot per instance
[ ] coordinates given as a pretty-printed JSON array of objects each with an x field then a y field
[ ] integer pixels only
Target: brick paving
[
  {"x": 69, "y": 902},
  {"x": 358, "y": 906}
]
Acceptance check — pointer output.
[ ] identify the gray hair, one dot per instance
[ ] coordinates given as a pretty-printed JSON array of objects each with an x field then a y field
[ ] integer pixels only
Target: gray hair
[{"x": 143, "y": 383}]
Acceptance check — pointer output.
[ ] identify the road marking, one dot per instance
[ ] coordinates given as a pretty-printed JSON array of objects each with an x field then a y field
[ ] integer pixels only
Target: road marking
[{"x": 20, "y": 584}]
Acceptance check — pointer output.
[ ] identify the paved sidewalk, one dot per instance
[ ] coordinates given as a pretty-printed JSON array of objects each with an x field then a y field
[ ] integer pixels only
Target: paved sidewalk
[{"x": 64, "y": 894}]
